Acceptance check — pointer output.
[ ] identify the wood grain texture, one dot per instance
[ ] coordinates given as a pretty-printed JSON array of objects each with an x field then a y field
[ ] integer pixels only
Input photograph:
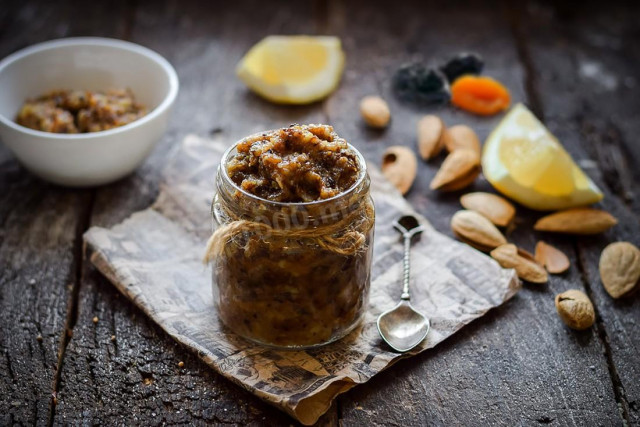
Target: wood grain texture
[
  {"x": 585, "y": 66},
  {"x": 586, "y": 71},
  {"x": 136, "y": 378},
  {"x": 40, "y": 241},
  {"x": 518, "y": 365}
]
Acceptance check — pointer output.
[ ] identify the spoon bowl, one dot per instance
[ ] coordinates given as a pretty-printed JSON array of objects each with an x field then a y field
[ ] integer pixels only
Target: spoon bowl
[{"x": 403, "y": 327}]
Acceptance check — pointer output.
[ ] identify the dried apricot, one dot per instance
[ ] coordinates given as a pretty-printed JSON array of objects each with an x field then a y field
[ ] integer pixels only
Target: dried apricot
[{"x": 480, "y": 95}]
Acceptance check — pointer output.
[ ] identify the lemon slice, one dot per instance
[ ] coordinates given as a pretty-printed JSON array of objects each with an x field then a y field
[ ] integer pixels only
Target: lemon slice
[
  {"x": 293, "y": 69},
  {"x": 525, "y": 162}
]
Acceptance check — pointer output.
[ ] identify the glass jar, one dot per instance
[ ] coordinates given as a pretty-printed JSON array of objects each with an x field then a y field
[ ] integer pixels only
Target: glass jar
[{"x": 292, "y": 275}]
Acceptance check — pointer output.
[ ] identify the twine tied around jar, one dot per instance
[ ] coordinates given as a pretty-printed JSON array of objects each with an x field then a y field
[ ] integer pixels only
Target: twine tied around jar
[{"x": 330, "y": 237}]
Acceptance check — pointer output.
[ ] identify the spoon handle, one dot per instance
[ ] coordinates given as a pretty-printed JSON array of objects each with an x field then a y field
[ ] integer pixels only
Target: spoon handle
[{"x": 407, "y": 267}]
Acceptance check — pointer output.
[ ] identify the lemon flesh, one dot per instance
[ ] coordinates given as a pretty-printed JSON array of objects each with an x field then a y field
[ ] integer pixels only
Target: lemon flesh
[
  {"x": 293, "y": 69},
  {"x": 525, "y": 162}
]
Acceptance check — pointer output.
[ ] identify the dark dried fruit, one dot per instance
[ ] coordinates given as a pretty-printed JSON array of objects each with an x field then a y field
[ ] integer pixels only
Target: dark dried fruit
[
  {"x": 461, "y": 64},
  {"x": 420, "y": 85}
]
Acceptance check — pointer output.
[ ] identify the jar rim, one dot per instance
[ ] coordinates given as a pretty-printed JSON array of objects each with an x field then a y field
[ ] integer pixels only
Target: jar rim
[{"x": 222, "y": 171}]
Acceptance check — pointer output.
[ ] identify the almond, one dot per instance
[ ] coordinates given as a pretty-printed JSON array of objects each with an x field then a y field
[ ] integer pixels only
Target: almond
[
  {"x": 553, "y": 259},
  {"x": 498, "y": 210},
  {"x": 510, "y": 256},
  {"x": 462, "y": 182},
  {"x": 458, "y": 170},
  {"x": 430, "y": 141},
  {"x": 575, "y": 309},
  {"x": 527, "y": 255},
  {"x": 400, "y": 166},
  {"x": 577, "y": 221},
  {"x": 620, "y": 268},
  {"x": 476, "y": 230},
  {"x": 461, "y": 136},
  {"x": 375, "y": 111}
]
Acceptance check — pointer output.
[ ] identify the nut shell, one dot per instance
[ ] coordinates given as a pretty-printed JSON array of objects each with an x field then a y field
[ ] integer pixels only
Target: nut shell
[
  {"x": 399, "y": 165},
  {"x": 430, "y": 131},
  {"x": 553, "y": 259},
  {"x": 577, "y": 221},
  {"x": 575, "y": 309},
  {"x": 476, "y": 230},
  {"x": 461, "y": 136},
  {"x": 498, "y": 210},
  {"x": 375, "y": 111},
  {"x": 458, "y": 171},
  {"x": 620, "y": 268},
  {"x": 510, "y": 256}
]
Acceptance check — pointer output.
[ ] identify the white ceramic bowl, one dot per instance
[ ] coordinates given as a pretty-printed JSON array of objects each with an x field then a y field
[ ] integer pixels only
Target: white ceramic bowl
[{"x": 89, "y": 64}]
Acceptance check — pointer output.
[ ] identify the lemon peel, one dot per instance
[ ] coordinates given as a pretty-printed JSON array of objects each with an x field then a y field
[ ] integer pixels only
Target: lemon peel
[
  {"x": 527, "y": 163},
  {"x": 293, "y": 69}
]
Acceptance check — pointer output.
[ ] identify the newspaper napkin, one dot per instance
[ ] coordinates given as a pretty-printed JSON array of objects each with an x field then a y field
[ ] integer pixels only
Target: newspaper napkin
[{"x": 154, "y": 258}]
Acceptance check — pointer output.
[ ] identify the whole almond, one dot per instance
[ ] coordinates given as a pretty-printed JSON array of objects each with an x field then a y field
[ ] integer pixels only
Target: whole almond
[
  {"x": 577, "y": 221},
  {"x": 508, "y": 256},
  {"x": 575, "y": 309},
  {"x": 458, "y": 170},
  {"x": 498, "y": 210},
  {"x": 430, "y": 141},
  {"x": 620, "y": 268},
  {"x": 375, "y": 111},
  {"x": 476, "y": 230},
  {"x": 553, "y": 259},
  {"x": 400, "y": 166},
  {"x": 461, "y": 136}
]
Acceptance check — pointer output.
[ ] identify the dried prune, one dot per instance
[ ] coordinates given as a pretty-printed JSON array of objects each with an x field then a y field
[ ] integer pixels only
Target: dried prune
[
  {"x": 461, "y": 64},
  {"x": 418, "y": 84}
]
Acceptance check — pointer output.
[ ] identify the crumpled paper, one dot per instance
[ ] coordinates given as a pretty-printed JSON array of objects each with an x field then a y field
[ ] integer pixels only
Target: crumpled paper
[{"x": 154, "y": 258}]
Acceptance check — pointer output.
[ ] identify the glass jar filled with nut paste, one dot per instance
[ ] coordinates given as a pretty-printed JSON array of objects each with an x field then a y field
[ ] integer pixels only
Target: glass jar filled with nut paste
[{"x": 293, "y": 237}]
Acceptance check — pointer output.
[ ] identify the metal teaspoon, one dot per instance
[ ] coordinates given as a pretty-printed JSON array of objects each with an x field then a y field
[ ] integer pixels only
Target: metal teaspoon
[{"x": 403, "y": 327}]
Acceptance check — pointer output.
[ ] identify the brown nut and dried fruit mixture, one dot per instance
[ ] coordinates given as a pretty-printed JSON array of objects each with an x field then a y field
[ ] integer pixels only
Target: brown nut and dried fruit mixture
[
  {"x": 80, "y": 111},
  {"x": 301, "y": 163}
]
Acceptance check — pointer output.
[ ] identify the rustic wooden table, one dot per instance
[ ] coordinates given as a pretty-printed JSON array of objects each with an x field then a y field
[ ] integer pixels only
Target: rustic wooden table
[{"x": 578, "y": 69}]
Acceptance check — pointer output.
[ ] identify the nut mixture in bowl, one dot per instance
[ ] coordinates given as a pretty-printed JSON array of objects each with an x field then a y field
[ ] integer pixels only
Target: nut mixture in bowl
[{"x": 79, "y": 111}]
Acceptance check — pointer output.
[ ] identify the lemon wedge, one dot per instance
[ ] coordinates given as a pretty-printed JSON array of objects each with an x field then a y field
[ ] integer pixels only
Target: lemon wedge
[
  {"x": 525, "y": 162},
  {"x": 293, "y": 69}
]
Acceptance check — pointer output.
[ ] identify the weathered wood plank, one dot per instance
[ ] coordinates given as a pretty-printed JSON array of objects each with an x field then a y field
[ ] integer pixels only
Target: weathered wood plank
[
  {"x": 520, "y": 364},
  {"x": 136, "y": 378},
  {"x": 586, "y": 68},
  {"x": 125, "y": 370},
  {"x": 598, "y": 59},
  {"x": 38, "y": 271},
  {"x": 40, "y": 242}
]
